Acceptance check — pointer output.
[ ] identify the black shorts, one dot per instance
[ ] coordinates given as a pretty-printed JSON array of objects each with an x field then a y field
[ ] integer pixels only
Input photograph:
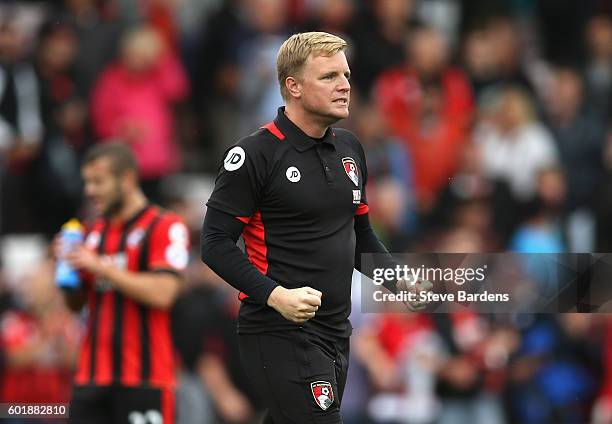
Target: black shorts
[
  {"x": 120, "y": 404},
  {"x": 300, "y": 376}
]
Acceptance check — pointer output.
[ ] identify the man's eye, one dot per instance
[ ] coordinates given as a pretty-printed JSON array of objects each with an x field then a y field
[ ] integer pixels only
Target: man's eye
[{"x": 328, "y": 77}]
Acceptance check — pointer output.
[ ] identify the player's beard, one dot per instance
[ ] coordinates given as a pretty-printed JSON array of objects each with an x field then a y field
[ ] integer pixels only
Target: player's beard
[{"x": 116, "y": 203}]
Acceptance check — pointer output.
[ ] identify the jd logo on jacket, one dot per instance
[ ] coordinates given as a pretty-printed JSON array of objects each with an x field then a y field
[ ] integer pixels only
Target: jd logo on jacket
[
  {"x": 234, "y": 159},
  {"x": 293, "y": 174}
]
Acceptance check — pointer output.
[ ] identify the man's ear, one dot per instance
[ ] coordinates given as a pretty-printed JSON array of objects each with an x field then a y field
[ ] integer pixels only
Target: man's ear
[{"x": 294, "y": 88}]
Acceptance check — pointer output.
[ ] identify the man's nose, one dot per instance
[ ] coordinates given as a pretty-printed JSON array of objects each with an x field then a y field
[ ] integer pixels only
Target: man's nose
[{"x": 345, "y": 85}]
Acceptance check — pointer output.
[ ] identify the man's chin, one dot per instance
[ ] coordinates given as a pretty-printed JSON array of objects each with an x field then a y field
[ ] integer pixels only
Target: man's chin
[
  {"x": 337, "y": 115},
  {"x": 344, "y": 113},
  {"x": 100, "y": 209},
  {"x": 341, "y": 112}
]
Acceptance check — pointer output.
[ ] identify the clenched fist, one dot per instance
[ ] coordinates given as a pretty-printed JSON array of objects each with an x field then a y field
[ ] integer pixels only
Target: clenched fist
[
  {"x": 417, "y": 288},
  {"x": 297, "y": 305}
]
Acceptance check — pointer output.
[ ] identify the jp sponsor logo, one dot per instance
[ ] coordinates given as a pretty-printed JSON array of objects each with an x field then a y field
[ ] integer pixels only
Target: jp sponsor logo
[
  {"x": 234, "y": 158},
  {"x": 293, "y": 174}
]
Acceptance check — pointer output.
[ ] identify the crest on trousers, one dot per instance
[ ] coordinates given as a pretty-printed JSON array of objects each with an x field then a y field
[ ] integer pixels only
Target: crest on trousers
[
  {"x": 350, "y": 167},
  {"x": 323, "y": 394}
]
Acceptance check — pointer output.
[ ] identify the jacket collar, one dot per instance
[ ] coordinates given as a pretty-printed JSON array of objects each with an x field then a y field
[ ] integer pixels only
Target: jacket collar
[{"x": 296, "y": 136}]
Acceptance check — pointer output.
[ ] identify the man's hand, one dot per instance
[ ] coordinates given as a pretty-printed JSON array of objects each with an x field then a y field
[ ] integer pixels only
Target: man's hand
[
  {"x": 84, "y": 259},
  {"x": 416, "y": 288},
  {"x": 297, "y": 305},
  {"x": 57, "y": 247}
]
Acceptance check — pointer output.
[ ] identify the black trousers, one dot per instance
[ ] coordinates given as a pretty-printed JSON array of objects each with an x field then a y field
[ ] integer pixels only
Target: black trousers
[
  {"x": 121, "y": 405},
  {"x": 300, "y": 376}
]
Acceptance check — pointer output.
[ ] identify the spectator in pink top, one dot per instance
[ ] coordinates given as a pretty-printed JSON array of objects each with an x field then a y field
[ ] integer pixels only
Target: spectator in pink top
[{"x": 132, "y": 101}]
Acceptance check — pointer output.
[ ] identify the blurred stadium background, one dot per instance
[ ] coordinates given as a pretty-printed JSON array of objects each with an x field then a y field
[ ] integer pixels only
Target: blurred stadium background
[{"x": 487, "y": 126}]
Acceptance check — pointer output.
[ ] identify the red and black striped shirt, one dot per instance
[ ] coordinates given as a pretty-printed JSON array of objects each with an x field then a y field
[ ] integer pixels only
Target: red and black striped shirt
[{"x": 127, "y": 342}]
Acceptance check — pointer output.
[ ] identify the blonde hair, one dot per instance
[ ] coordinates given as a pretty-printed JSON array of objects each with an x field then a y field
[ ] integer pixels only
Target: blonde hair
[{"x": 296, "y": 49}]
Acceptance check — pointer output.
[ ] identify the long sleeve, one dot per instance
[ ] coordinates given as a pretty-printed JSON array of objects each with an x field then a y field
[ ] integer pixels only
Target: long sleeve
[
  {"x": 219, "y": 251},
  {"x": 368, "y": 243}
]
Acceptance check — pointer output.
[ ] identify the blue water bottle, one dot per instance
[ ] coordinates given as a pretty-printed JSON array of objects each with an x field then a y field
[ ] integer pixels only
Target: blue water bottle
[{"x": 66, "y": 277}]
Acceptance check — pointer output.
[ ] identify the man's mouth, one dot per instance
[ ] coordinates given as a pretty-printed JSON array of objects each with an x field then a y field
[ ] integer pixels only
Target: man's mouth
[
  {"x": 96, "y": 203},
  {"x": 341, "y": 101}
]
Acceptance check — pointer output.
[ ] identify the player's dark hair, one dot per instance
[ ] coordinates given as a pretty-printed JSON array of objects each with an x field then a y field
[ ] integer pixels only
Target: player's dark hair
[{"x": 120, "y": 155}]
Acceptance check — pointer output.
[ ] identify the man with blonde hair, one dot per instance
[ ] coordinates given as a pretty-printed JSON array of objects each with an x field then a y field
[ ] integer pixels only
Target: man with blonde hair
[{"x": 295, "y": 191}]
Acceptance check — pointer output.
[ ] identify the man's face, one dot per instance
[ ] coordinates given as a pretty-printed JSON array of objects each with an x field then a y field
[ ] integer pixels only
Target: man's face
[
  {"x": 324, "y": 87},
  {"x": 103, "y": 188},
  {"x": 428, "y": 52}
]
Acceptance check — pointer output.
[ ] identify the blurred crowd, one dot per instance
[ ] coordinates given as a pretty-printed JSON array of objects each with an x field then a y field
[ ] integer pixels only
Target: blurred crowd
[{"x": 487, "y": 126}]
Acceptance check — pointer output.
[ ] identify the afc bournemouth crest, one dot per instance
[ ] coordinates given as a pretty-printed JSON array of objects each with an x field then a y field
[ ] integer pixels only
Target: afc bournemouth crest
[
  {"x": 323, "y": 394},
  {"x": 350, "y": 167}
]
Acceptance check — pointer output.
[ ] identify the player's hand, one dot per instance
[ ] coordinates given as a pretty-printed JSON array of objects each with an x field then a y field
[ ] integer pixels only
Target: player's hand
[
  {"x": 56, "y": 247},
  {"x": 418, "y": 287},
  {"x": 235, "y": 408},
  {"x": 85, "y": 259},
  {"x": 297, "y": 305}
]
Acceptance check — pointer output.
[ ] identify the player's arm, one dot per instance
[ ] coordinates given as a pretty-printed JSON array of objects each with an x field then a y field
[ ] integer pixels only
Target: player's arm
[
  {"x": 238, "y": 190},
  {"x": 367, "y": 242},
  {"x": 158, "y": 286},
  {"x": 220, "y": 233},
  {"x": 232, "y": 405},
  {"x": 155, "y": 289},
  {"x": 219, "y": 251}
]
